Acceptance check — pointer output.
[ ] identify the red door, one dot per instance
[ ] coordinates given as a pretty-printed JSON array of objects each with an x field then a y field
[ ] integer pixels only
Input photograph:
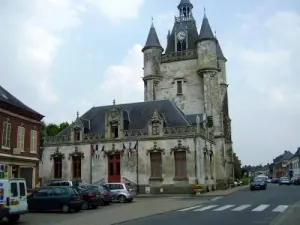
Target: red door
[{"x": 114, "y": 168}]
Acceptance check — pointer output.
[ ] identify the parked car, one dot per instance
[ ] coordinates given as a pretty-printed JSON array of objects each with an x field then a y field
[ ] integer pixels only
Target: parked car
[
  {"x": 91, "y": 198},
  {"x": 297, "y": 181},
  {"x": 285, "y": 180},
  {"x": 275, "y": 180},
  {"x": 105, "y": 198},
  {"x": 64, "y": 198},
  {"x": 269, "y": 180},
  {"x": 258, "y": 183},
  {"x": 121, "y": 192},
  {"x": 61, "y": 183}
]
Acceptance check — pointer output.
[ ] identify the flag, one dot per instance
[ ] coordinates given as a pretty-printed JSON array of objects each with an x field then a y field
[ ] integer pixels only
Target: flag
[
  {"x": 129, "y": 150},
  {"x": 135, "y": 148},
  {"x": 102, "y": 150},
  {"x": 124, "y": 147}
]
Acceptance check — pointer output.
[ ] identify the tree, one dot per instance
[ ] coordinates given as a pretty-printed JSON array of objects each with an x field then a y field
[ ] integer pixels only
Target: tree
[{"x": 51, "y": 130}]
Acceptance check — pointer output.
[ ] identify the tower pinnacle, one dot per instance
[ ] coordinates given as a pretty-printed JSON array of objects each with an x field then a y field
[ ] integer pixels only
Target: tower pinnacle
[{"x": 152, "y": 40}]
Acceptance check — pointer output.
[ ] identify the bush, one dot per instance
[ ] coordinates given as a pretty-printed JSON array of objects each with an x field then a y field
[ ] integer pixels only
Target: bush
[{"x": 245, "y": 180}]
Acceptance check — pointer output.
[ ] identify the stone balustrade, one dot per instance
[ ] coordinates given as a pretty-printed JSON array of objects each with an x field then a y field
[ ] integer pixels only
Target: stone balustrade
[
  {"x": 129, "y": 134},
  {"x": 176, "y": 56}
]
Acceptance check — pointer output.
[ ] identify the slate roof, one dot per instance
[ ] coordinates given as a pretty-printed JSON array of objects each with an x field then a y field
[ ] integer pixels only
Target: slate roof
[
  {"x": 192, "y": 118},
  {"x": 220, "y": 55},
  {"x": 285, "y": 156},
  {"x": 185, "y": 2},
  {"x": 152, "y": 40},
  {"x": 137, "y": 114},
  {"x": 8, "y": 98},
  {"x": 205, "y": 30},
  {"x": 192, "y": 35},
  {"x": 297, "y": 153}
]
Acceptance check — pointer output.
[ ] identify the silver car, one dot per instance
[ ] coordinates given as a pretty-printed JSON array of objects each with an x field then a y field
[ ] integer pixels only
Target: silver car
[{"x": 121, "y": 192}]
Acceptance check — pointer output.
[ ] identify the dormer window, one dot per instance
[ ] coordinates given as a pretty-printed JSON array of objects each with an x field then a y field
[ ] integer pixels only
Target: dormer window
[
  {"x": 155, "y": 128},
  {"x": 114, "y": 130},
  {"x": 179, "y": 87},
  {"x": 77, "y": 134}
]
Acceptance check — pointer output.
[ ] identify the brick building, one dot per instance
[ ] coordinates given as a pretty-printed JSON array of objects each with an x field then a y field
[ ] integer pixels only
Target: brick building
[{"x": 20, "y": 138}]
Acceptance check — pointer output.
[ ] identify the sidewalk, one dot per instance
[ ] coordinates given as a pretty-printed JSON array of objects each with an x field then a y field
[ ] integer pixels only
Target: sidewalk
[
  {"x": 225, "y": 192},
  {"x": 138, "y": 209},
  {"x": 213, "y": 193}
]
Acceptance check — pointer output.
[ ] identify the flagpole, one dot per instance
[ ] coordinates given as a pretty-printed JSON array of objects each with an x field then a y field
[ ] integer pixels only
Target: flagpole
[
  {"x": 91, "y": 164},
  {"x": 137, "y": 168}
]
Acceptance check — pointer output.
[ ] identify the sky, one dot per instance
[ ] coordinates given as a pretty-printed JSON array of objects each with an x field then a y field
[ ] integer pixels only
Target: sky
[{"x": 64, "y": 56}]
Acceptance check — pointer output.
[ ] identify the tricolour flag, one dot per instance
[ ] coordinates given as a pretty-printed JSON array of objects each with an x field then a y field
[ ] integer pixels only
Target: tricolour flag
[{"x": 124, "y": 147}]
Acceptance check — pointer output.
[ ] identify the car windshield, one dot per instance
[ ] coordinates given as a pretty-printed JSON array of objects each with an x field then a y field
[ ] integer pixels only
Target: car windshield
[
  {"x": 284, "y": 178},
  {"x": 258, "y": 180}
]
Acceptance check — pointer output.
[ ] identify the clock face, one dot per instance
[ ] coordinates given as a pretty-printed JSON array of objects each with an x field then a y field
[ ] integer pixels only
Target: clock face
[{"x": 181, "y": 35}]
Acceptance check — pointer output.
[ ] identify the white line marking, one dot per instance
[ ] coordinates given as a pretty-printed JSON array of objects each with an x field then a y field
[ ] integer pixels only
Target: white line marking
[
  {"x": 206, "y": 208},
  {"x": 223, "y": 208},
  {"x": 260, "y": 208},
  {"x": 280, "y": 208},
  {"x": 216, "y": 198},
  {"x": 240, "y": 208},
  {"x": 186, "y": 209}
]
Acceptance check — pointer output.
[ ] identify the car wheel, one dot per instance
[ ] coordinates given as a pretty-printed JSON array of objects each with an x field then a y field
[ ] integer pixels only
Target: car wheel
[
  {"x": 130, "y": 200},
  {"x": 77, "y": 209},
  {"x": 13, "y": 218},
  {"x": 85, "y": 205},
  {"x": 65, "y": 208},
  {"x": 122, "y": 199}
]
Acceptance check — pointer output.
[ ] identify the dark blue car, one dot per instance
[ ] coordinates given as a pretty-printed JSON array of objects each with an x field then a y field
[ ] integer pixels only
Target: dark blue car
[{"x": 258, "y": 184}]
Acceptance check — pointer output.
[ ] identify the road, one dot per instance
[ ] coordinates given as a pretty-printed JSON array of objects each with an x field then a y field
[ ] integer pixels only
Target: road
[{"x": 243, "y": 207}]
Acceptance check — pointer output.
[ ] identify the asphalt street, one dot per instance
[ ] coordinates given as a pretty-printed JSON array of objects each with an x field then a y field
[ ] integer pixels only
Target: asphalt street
[{"x": 241, "y": 208}]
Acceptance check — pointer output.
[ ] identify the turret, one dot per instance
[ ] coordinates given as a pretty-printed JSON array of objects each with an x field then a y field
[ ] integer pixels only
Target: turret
[
  {"x": 152, "y": 59},
  {"x": 206, "y": 47},
  {"x": 221, "y": 63}
]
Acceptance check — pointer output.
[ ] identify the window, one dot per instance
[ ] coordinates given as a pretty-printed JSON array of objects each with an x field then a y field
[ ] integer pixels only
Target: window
[
  {"x": 45, "y": 192},
  {"x": 57, "y": 167},
  {"x": 33, "y": 141},
  {"x": 60, "y": 191},
  {"x": 76, "y": 167},
  {"x": 22, "y": 189},
  {"x": 155, "y": 128},
  {"x": 180, "y": 164},
  {"x": 14, "y": 189},
  {"x": 21, "y": 137},
  {"x": 179, "y": 87},
  {"x": 181, "y": 46},
  {"x": 114, "y": 130},
  {"x": 77, "y": 134},
  {"x": 6, "y": 135},
  {"x": 156, "y": 164}
]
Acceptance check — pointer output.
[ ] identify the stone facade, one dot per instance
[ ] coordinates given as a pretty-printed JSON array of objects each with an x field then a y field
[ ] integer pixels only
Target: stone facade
[{"x": 185, "y": 105}]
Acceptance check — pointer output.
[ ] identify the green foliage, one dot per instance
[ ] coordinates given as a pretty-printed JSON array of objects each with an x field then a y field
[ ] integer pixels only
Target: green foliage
[
  {"x": 52, "y": 129},
  {"x": 245, "y": 180}
]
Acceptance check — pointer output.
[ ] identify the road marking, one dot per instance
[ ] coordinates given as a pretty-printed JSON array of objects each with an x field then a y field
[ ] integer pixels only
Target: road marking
[
  {"x": 186, "y": 209},
  {"x": 206, "y": 208},
  {"x": 280, "y": 208},
  {"x": 216, "y": 198},
  {"x": 260, "y": 208},
  {"x": 240, "y": 208},
  {"x": 223, "y": 208}
]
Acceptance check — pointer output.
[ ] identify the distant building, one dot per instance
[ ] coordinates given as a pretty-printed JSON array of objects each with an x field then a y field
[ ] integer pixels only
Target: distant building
[
  {"x": 295, "y": 163},
  {"x": 282, "y": 164},
  {"x": 20, "y": 138}
]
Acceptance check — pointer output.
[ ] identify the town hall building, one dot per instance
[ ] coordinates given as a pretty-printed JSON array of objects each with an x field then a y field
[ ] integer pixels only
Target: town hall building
[{"x": 178, "y": 137}]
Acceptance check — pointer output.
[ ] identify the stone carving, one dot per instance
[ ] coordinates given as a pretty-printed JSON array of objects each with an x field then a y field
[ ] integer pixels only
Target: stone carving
[
  {"x": 57, "y": 153},
  {"x": 177, "y": 56},
  {"x": 76, "y": 153},
  {"x": 180, "y": 147},
  {"x": 114, "y": 115},
  {"x": 205, "y": 150},
  {"x": 155, "y": 149},
  {"x": 128, "y": 134},
  {"x": 155, "y": 117},
  {"x": 77, "y": 124},
  {"x": 112, "y": 151}
]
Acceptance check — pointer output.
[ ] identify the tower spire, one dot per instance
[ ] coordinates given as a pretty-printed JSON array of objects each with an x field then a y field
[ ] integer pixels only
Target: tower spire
[
  {"x": 152, "y": 40},
  {"x": 205, "y": 31}
]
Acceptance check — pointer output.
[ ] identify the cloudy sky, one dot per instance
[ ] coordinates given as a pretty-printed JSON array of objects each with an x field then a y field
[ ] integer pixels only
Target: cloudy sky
[{"x": 60, "y": 56}]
